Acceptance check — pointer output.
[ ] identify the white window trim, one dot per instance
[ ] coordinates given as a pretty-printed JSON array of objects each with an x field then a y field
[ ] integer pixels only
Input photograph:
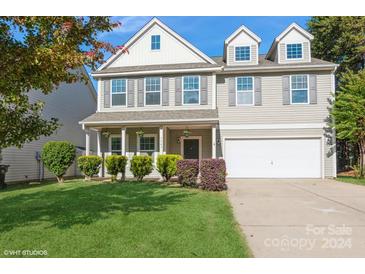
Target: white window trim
[
  {"x": 155, "y": 50},
  {"x": 183, "y": 90},
  {"x": 286, "y": 52},
  {"x": 147, "y": 135},
  {"x": 183, "y": 138},
  {"x": 118, "y": 136},
  {"x": 253, "y": 91},
  {"x": 242, "y": 61},
  {"x": 145, "y": 92},
  {"x": 111, "y": 93},
  {"x": 308, "y": 93}
]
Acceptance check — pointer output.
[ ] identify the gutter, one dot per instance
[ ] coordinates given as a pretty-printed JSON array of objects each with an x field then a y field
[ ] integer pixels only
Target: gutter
[
  {"x": 148, "y": 121},
  {"x": 278, "y": 69}
]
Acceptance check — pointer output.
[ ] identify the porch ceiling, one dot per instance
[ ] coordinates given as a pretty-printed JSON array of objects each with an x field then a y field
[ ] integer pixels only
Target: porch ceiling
[{"x": 158, "y": 117}]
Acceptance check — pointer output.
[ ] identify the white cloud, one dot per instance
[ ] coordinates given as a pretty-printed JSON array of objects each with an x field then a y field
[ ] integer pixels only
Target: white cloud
[{"x": 130, "y": 24}]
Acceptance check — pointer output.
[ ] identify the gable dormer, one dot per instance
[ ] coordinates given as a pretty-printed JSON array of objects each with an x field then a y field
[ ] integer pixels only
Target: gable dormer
[
  {"x": 291, "y": 46},
  {"x": 242, "y": 48},
  {"x": 156, "y": 44}
]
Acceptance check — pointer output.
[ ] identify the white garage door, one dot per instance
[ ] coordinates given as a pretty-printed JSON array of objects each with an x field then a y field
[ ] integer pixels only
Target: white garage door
[{"x": 273, "y": 158}]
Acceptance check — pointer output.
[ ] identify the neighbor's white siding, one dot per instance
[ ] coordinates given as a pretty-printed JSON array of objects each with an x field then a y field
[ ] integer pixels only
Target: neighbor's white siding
[
  {"x": 70, "y": 103},
  {"x": 172, "y": 51}
]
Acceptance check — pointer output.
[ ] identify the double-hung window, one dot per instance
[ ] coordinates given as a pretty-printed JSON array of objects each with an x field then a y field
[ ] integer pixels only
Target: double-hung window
[
  {"x": 147, "y": 143},
  {"x": 243, "y": 53},
  {"x": 153, "y": 91},
  {"x": 244, "y": 89},
  {"x": 119, "y": 92},
  {"x": 299, "y": 89},
  {"x": 294, "y": 51},
  {"x": 191, "y": 90},
  {"x": 155, "y": 42}
]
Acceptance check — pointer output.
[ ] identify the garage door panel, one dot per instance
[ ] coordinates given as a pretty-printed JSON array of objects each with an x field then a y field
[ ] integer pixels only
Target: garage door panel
[{"x": 273, "y": 158}]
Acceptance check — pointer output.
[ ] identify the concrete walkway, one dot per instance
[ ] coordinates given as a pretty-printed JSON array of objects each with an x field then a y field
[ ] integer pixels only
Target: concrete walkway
[{"x": 300, "y": 218}]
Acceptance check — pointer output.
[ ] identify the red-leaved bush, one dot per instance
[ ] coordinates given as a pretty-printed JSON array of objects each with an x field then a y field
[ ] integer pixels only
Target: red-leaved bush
[
  {"x": 213, "y": 174},
  {"x": 187, "y": 172}
]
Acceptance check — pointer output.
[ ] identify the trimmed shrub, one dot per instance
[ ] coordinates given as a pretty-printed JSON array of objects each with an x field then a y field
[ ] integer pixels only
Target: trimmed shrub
[
  {"x": 187, "y": 172},
  {"x": 89, "y": 165},
  {"x": 166, "y": 165},
  {"x": 58, "y": 156},
  {"x": 116, "y": 164},
  {"x": 141, "y": 166},
  {"x": 213, "y": 174}
]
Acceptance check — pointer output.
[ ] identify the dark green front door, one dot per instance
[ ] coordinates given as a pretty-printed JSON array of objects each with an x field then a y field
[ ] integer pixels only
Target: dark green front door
[{"x": 191, "y": 149}]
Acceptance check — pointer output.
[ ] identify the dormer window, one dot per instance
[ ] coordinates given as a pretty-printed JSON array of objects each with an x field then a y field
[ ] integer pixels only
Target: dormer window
[
  {"x": 294, "y": 51},
  {"x": 242, "y": 53},
  {"x": 155, "y": 42}
]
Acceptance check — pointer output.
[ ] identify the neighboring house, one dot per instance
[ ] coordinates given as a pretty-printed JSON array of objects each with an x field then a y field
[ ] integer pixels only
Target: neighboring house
[
  {"x": 70, "y": 103},
  {"x": 264, "y": 114}
]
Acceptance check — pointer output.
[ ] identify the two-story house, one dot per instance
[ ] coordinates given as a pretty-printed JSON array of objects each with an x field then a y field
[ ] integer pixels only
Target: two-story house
[{"x": 264, "y": 114}]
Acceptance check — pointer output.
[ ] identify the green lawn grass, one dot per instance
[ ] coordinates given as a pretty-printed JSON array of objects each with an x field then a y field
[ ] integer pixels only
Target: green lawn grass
[
  {"x": 95, "y": 219},
  {"x": 352, "y": 180}
]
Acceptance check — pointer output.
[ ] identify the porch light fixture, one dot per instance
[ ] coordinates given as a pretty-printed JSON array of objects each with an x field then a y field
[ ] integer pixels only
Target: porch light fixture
[
  {"x": 106, "y": 134},
  {"x": 178, "y": 140},
  {"x": 140, "y": 132},
  {"x": 186, "y": 133}
]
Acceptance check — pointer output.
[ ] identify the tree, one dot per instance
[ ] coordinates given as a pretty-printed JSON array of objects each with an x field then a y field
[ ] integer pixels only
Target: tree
[
  {"x": 349, "y": 112},
  {"x": 339, "y": 39},
  {"x": 39, "y": 53}
]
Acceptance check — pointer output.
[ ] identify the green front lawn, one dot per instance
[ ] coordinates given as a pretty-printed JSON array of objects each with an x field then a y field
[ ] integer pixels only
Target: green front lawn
[
  {"x": 95, "y": 219},
  {"x": 352, "y": 180}
]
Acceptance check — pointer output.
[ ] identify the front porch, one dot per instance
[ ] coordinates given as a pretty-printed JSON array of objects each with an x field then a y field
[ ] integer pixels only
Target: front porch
[{"x": 194, "y": 141}]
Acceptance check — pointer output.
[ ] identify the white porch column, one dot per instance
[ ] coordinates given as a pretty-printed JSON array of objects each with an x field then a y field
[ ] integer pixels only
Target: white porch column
[
  {"x": 87, "y": 142},
  {"x": 161, "y": 140},
  {"x": 214, "y": 138},
  {"x": 122, "y": 141},
  {"x": 98, "y": 147}
]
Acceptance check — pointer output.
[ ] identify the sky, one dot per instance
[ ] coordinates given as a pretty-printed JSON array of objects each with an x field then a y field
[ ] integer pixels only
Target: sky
[{"x": 207, "y": 33}]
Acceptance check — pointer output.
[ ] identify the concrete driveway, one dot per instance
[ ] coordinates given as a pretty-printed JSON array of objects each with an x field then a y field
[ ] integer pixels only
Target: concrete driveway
[{"x": 300, "y": 218}]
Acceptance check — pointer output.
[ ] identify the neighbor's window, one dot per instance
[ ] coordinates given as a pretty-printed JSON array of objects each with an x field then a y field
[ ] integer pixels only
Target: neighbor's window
[
  {"x": 147, "y": 144},
  {"x": 153, "y": 91},
  {"x": 299, "y": 89},
  {"x": 191, "y": 90},
  {"x": 155, "y": 42},
  {"x": 115, "y": 145},
  {"x": 294, "y": 51},
  {"x": 244, "y": 87},
  {"x": 119, "y": 95},
  {"x": 242, "y": 53}
]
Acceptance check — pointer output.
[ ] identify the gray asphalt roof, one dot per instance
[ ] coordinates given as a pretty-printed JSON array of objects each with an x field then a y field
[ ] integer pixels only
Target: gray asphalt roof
[
  {"x": 157, "y": 67},
  {"x": 160, "y": 115}
]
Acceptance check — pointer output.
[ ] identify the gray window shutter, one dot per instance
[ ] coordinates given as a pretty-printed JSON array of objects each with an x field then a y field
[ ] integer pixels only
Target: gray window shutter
[
  {"x": 178, "y": 91},
  {"x": 141, "y": 92},
  {"x": 313, "y": 89},
  {"x": 231, "y": 91},
  {"x": 286, "y": 90},
  {"x": 130, "y": 92},
  {"x": 204, "y": 90},
  {"x": 107, "y": 93},
  {"x": 258, "y": 92},
  {"x": 165, "y": 91}
]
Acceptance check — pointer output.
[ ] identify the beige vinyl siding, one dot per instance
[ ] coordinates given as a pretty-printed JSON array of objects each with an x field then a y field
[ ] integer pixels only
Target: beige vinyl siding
[
  {"x": 171, "y": 105},
  {"x": 70, "y": 103},
  {"x": 289, "y": 133},
  {"x": 272, "y": 109},
  {"x": 306, "y": 54},
  {"x": 231, "y": 57}
]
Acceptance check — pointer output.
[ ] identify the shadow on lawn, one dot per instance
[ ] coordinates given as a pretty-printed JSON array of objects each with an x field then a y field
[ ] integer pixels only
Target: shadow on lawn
[{"x": 65, "y": 207}]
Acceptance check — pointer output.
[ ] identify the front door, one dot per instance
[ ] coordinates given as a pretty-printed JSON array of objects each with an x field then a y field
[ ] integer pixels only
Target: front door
[{"x": 191, "y": 148}]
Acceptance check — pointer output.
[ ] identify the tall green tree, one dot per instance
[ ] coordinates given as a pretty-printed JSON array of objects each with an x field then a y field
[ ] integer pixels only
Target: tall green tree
[
  {"x": 339, "y": 39},
  {"x": 39, "y": 53},
  {"x": 349, "y": 112}
]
